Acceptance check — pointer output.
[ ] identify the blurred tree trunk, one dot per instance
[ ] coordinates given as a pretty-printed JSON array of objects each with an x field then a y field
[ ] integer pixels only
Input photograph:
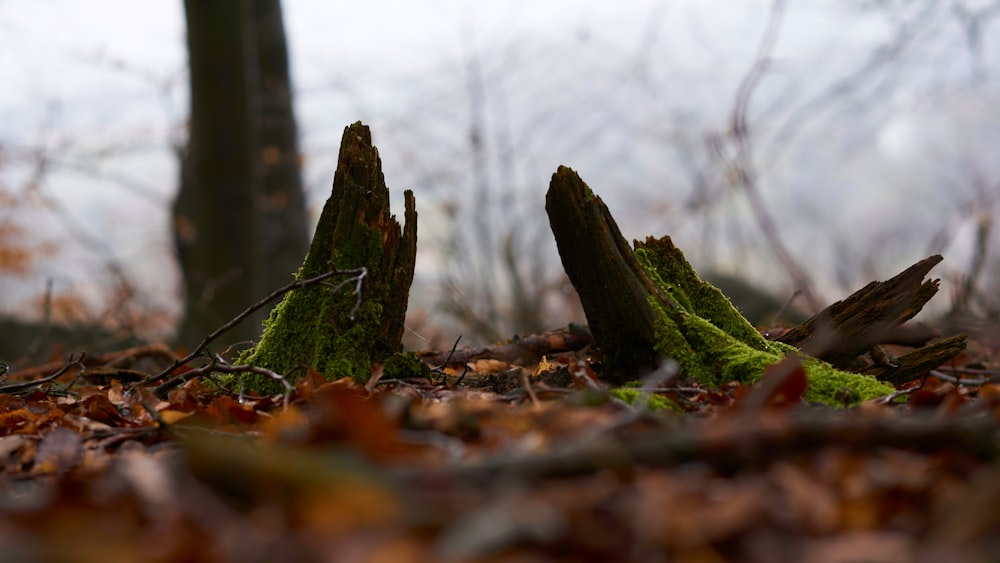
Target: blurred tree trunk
[
  {"x": 282, "y": 230},
  {"x": 239, "y": 216}
]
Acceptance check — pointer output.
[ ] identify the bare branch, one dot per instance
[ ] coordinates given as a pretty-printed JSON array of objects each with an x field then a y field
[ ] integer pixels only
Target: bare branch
[
  {"x": 743, "y": 165},
  {"x": 358, "y": 273},
  {"x": 25, "y": 385}
]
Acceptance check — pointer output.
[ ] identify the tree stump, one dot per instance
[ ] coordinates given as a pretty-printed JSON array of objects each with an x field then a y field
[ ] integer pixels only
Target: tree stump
[
  {"x": 613, "y": 288},
  {"x": 330, "y": 328},
  {"x": 648, "y": 305}
]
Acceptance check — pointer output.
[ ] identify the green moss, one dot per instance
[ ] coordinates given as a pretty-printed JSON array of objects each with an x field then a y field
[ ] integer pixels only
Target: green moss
[
  {"x": 297, "y": 337},
  {"x": 695, "y": 296},
  {"x": 652, "y": 402},
  {"x": 714, "y": 344},
  {"x": 338, "y": 328},
  {"x": 405, "y": 366}
]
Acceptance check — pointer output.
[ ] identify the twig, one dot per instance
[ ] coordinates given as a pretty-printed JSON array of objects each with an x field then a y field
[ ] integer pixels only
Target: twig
[
  {"x": 450, "y": 354},
  {"x": 109, "y": 360},
  {"x": 529, "y": 347},
  {"x": 219, "y": 364},
  {"x": 973, "y": 371},
  {"x": 891, "y": 398},
  {"x": 440, "y": 367},
  {"x": 978, "y": 382},
  {"x": 16, "y": 387},
  {"x": 359, "y": 272},
  {"x": 742, "y": 163},
  {"x": 225, "y": 367},
  {"x": 526, "y": 383},
  {"x": 160, "y": 421}
]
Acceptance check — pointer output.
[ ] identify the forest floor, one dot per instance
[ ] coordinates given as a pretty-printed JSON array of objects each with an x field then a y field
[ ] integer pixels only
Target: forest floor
[{"x": 515, "y": 452}]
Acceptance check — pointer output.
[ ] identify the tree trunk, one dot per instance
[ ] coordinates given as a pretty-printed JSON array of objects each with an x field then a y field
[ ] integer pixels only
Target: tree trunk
[
  {"x": 603, "y": 269},
  {"x": 282, "y": 236},
  {"x": 239, "y": 216},
  {"x": 214, "y": 210}
]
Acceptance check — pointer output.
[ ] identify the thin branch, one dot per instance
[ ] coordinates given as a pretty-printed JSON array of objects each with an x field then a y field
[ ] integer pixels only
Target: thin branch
[
  {"x": 25, "y": 385},
  {"x": 743, "y": 162},
  {"x": 965, "y": 382},
  {"x": 526, "y": 383},
  {"x": 360, "y": 273},
  {"x": 891, "y": 398}
]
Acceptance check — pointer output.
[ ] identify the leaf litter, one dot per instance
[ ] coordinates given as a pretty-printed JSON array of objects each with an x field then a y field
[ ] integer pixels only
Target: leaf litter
[{"x": 505, "y": 458}]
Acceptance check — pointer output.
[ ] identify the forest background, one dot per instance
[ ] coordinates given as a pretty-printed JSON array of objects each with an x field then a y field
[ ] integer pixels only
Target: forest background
[{"x": 846, "y": 138}]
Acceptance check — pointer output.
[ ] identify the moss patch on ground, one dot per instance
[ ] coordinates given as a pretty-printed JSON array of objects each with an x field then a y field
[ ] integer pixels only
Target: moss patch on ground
[
  {"x": 652, "y": 402},
  {"x": 405, "y": 366}
]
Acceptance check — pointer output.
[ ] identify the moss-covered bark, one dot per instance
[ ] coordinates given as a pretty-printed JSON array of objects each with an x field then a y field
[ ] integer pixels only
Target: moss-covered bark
[
  {"x": 714, "y": 343},
  {"x": 603, "y": 269},
  {"x": 334, "y": 331},
  {"x": 649, "y": 304}
]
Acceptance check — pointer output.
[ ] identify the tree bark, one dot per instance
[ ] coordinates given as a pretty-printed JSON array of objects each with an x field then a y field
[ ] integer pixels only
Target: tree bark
[
  {"x": 848, "y": 328},
  {"x": 214, "y": 210},
  {"x": 334, "y": 330},
  {"x": 282, "y": 236},
  {"x": 239, "y": 215},
  {"x": 602, "y": 267}
]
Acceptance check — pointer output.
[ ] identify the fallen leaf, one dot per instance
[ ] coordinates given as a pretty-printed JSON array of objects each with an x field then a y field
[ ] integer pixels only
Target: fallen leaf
[{"x": 61, "y": 450}]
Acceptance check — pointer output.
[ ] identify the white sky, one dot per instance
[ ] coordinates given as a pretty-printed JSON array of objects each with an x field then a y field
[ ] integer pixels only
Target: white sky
[{"x": 625, "y": 92}]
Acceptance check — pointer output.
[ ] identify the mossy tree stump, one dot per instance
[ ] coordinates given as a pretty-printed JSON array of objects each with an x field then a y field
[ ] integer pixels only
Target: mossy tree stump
[
  {"x": 647, "y": 304},
  {"x": 328, "y": 328}
]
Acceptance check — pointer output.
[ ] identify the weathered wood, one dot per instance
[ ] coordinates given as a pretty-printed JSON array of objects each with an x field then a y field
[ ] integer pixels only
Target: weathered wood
[
  {"x": 848, "y": 328},
  {"x": 602, "y": 267},
  {"x": 331, "y": 329},
  {"x": 649, "y": 305},
  {"x": 916, "y": 363}
]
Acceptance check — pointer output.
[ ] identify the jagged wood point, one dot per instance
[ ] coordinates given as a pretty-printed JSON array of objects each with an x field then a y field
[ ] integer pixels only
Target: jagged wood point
[{"x": 330, "y": 329}]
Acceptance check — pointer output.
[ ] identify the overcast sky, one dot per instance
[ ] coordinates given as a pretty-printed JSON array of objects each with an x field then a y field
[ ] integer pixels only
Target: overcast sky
[{"x": 871, "y": 124}]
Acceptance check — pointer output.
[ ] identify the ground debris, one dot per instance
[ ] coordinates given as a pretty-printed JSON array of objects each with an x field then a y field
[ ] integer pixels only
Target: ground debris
[{"x": 418, "y": 470}]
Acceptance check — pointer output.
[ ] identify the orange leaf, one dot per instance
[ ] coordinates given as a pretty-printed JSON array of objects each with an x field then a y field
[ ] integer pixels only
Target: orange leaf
[{"x": 781, "y": 386}]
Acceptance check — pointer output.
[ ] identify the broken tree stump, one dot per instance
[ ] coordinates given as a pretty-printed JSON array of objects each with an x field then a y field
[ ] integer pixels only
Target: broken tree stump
[
  {"x": 848, "y": 328},
  {"x": 332, "y": 328},
  {"x": 874, "y": 315},
  {"x": 648, "y": 305},
  {"x": 613, "y": 289}
]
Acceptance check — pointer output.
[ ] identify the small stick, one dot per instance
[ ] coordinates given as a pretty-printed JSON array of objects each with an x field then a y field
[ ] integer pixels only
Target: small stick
[
  {"x": 360, "y": 273},
  {"x": 24, "y": 385}
]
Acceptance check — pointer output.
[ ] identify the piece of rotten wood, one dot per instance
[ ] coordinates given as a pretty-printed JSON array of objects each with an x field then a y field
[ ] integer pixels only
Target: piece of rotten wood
[
  {"x": 613, "y": 287},
  {"x": 848, "y": 328},
  {"x": 915, "y": 364}
]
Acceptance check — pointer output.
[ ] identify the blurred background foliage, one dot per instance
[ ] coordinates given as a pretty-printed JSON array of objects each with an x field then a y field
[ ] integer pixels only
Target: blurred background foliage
[{"x": 806, "y": 146}]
